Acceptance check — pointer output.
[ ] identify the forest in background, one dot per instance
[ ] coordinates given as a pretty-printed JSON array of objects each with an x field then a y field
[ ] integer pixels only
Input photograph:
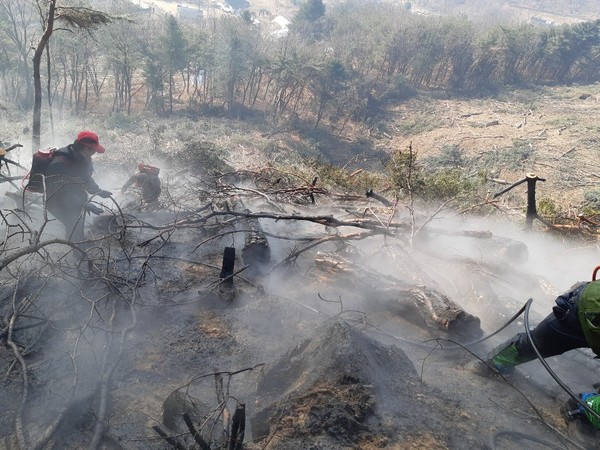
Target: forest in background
[
  {"x": 556, "y": 7},
  {"x": 339, "y": 64}
]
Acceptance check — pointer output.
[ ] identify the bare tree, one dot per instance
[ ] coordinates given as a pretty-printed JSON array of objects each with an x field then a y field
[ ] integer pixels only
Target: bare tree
[
  {"x": 17, "y": 28},
  {"x": 74, "y": 17}
]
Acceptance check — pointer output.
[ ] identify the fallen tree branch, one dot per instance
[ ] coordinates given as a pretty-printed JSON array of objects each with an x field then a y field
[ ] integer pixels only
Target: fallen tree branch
[
  {"x": 171, "y": 440},
  {"x": 195, "y": 434}
]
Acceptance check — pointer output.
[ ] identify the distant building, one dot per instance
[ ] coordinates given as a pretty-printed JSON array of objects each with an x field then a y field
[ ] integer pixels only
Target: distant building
[
  {"x": 281, "y": 21},
  {"x": 283, "y": 24}
]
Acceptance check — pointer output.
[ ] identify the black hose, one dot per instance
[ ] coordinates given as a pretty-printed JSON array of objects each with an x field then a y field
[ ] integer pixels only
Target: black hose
[
  {"x": 511, "y": 320},
  {"x": 547, "y": 367},
  {"x": 522, "y": 436}
]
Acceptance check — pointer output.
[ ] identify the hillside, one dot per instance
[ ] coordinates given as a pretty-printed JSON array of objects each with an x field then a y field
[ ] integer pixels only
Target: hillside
[
  {"x": 551, "y": 132},
  {"x": 555, "y": 12},
  {"x": 324, "y": 348}
]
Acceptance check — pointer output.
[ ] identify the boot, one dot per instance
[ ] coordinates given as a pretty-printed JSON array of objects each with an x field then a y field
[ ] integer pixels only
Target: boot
[
  {"x": 511, "y": 353},
  {"x": 506, "y": 359}
]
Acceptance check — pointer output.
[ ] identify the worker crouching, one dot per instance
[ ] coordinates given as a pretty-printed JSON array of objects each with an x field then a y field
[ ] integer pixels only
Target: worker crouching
[
  {"x": 573, "y": 323},
  {"x": 146, "y": 180}
]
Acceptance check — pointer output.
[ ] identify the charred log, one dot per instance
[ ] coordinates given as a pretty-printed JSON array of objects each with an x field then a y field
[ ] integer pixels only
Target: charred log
[
  {"x": 415, "y": 303},
  {"x": 238, "y": 428},
  {"x": 228, "y": 265},
  {"x": 171, "y": 440},
  {"x": 256, "y": 252},
  {"x": 383, "y": 200},
  {"x": 195, "y": 433},
  {"x": 227, "y": 289}
]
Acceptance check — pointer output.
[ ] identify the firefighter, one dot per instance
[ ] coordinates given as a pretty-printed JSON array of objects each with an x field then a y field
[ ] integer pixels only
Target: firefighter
[
  {"x": 573, "y": 323},
  {"x": 146, "y": 179},
  {"x": 69, "y": 181}
]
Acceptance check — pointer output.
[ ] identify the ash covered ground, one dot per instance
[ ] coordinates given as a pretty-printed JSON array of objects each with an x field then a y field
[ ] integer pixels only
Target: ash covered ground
[{"x": 326, "y": 346}]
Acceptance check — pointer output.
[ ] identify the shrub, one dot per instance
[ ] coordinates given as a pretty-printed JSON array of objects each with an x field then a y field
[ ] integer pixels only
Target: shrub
[
  {"x": 122, "y": 121},
  {"x": 204, "y": 157},
  {"x": 511, "y": 158},
  {"x": 330, "y": 175},
  {"x": 592, "y": 199},
  {"x": 404, "y": 171},
  {"x": 450, "y": 156},
  {"x": 547, "y": 208},
  {"x": 447, "y": 184}
]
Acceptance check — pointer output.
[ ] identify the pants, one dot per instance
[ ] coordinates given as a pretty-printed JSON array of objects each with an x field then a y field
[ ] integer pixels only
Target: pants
[
  {"x": 553, "y": 337},
  {"x": 72, "y": 217}
]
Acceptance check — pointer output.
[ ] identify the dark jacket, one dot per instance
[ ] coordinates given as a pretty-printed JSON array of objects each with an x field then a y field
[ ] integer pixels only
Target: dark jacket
[
  {"x": 149, "y": 183},
  {"x": 566, "y": 306},
  {"x": 69, "y": 178}
]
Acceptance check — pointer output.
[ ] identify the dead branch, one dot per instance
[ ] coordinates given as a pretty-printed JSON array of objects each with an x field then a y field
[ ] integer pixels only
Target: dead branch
[
  {"x": 567, "y": 152},
  {"x": 222, "y": 399},
  {"x": 584, "y": 219},
  {"x": 53, "y": 427},
  {"x": 35, "y": 248},
  {"x": 223, "y": 372},
  {"x": 195, "y": 434},
  {"x": 107, "y": 373},
  {"x": 171, "y": 440},
  {"x": 431, "y": 217},
  {"x": 486, "y": 201},
  {"x": 12, "y": 147},
  {"x": 294, "y": 255},
  {"x": 383, "y": 200}
]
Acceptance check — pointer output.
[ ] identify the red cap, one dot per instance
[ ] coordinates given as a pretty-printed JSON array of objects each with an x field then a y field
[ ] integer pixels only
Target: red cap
[{"x": 90, "y": 139}]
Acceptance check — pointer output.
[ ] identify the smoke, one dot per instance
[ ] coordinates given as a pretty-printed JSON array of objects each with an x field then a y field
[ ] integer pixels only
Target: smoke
[{"x": 479, "y": 263}]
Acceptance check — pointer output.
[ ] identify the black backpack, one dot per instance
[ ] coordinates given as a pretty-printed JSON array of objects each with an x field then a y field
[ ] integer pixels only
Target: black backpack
[{"x": 39, "y": 165}]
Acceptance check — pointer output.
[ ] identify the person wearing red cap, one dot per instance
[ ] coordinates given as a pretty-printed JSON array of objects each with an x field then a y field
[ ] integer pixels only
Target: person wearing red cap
[
  {"x": 69, "y": 181},
  {"x": 146, "y": 179}
]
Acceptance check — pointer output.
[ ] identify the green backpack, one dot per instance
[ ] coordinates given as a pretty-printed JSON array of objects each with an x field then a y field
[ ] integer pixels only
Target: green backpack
[{"x": 589, "y": 315}]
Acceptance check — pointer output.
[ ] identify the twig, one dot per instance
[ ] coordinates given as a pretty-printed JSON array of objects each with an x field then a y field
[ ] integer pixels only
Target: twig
[{"x": 19, "y": 430}]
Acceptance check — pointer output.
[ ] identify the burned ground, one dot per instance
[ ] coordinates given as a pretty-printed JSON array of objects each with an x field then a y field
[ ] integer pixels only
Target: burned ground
[
  {"x": 346, "y": 344},
  {"x": 328, "y": 345}
]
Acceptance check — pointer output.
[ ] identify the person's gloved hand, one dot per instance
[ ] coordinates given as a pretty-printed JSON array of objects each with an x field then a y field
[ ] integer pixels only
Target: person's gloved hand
[
  {"x": 90, "y": 207},
  {"x": 104, "y": 194}
]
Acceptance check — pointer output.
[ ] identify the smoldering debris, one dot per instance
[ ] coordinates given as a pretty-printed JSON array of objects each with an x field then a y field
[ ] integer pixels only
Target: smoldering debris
[
  {"x": 142, "y": 314},
  {"x": 417, "y": 303},
  {"x": 343, "y": 388}
]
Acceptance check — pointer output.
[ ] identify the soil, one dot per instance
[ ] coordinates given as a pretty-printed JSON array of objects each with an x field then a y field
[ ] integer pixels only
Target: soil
[{"x": 318, "y": 362}]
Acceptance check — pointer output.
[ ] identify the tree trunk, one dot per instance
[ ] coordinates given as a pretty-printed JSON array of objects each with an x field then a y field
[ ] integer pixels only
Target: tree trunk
[{"x": 37, "y": 81}]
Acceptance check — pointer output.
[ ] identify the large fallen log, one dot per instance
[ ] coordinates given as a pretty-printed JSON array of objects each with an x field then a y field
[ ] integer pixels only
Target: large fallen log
[{"x": 436, "y": 310}]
